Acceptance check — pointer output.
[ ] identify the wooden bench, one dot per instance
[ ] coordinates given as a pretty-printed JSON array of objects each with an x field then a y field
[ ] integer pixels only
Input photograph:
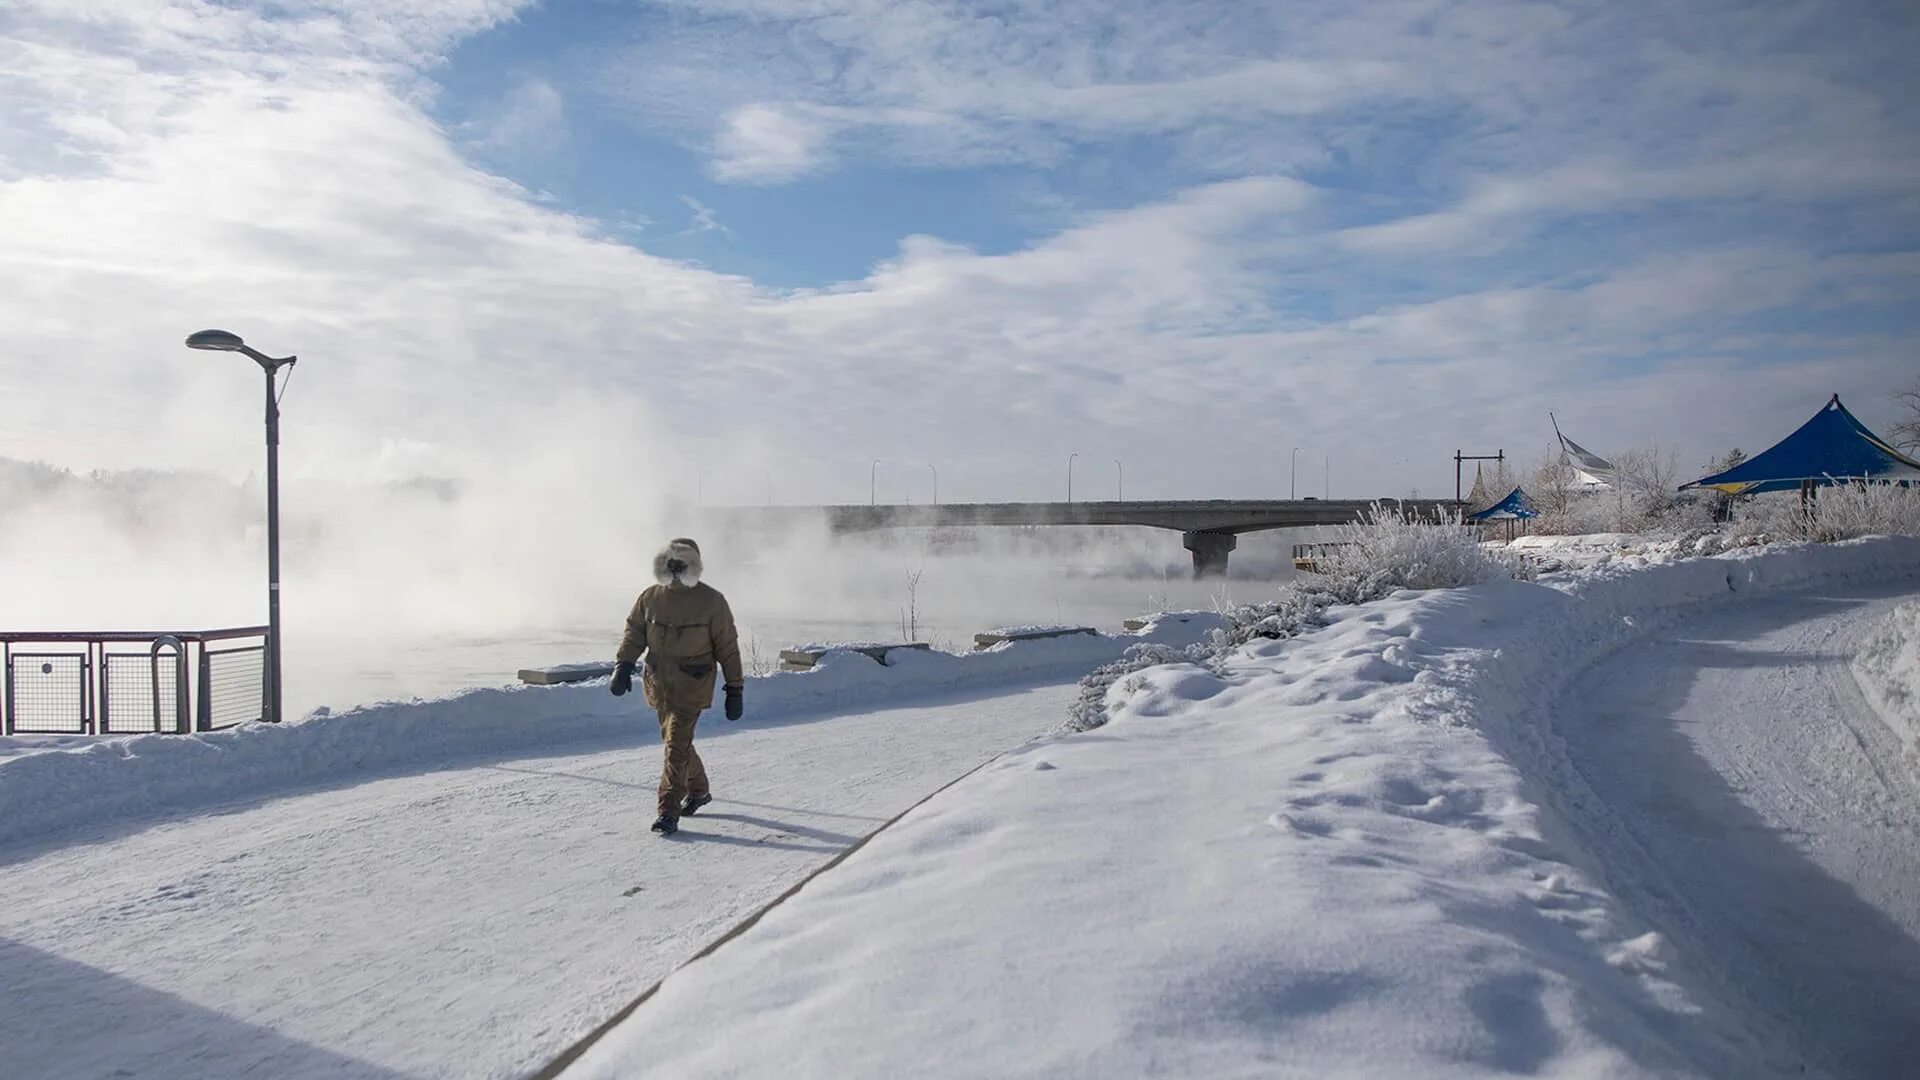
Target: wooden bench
[
  {"x": 1140, "y": 622},
  {"x": 991, "y": 638},
  {"x": 805, "y": 657},
  {"x": 564, "y": 673}
]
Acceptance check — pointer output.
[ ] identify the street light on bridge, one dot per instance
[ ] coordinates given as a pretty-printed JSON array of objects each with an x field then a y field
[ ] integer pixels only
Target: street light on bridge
[
  {"x": 224, "y": 341},
  {"x": 936, "y": 482},
  {"x": 1070, "y": 458},
  {"x": 873, "y": 483},
  {"x": 1293, "y": 473},
  {"x": 1119, "y": 482}
]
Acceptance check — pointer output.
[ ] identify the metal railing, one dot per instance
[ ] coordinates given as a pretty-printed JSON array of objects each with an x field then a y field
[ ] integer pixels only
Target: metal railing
[{"x": 123, "y": 682}]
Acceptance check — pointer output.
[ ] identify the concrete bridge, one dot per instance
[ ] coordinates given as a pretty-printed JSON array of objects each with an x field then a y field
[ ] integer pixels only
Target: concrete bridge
[{"x": 1208, "y": 527}]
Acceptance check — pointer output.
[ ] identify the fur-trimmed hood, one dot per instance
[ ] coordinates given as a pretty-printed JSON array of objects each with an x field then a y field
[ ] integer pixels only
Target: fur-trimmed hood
[{"x": 684, "y": 550}]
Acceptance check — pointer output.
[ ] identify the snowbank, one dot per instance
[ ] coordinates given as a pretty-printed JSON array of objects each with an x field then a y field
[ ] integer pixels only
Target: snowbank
[
  {"x": 1887, "y": 668},
  {"x": 1326, "y": 856},
  {"x": 65, "y": 786}
]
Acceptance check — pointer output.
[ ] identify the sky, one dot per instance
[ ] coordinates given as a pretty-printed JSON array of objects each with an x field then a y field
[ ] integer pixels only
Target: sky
[{"x": 740, "y": 250}]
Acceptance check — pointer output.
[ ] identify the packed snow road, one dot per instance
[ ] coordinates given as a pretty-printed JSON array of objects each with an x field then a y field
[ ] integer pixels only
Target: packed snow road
[
  {"x": 467, "y": 922},
  {"x": 1740, "y": 795}
]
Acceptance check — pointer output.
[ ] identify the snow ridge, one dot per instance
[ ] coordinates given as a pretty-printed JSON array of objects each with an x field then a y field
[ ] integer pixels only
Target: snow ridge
[{"x": 1888, "y": 670}]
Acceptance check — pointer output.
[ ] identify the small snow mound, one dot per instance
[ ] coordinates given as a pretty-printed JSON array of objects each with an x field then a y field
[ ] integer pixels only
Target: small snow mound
[{"x": 1641, "y": 955}]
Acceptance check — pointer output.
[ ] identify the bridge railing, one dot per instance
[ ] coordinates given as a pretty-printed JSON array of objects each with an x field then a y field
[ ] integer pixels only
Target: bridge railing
[{"x": 129, "y": 682}]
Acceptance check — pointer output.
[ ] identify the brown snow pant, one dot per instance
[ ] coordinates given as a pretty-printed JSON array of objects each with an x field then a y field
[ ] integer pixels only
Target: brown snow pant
[{"x": 683, "y": 774}]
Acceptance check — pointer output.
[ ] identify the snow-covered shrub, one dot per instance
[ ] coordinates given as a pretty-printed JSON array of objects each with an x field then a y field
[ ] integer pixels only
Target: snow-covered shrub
[
  {"x": 1642, "y": 497},
  {"x": 1089, "y": 710},
  {"x": 1389, "y": 549},
  {"x": 1840, "y": 512},
  {"x": 1386, "y": 550},
  {"x": 1846, "y": 511}
]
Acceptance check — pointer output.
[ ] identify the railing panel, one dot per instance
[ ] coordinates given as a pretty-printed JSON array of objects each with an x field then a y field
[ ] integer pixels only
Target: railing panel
[
  {"x": 235, "y": 685},
  {"x": 126, "y": 694},
  {"x": 47, "y": 693}
]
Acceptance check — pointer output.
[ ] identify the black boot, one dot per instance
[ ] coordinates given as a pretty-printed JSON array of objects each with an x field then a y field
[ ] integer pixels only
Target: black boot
[
  {"x": 666, "y": 825},
  {"x": 694, "y": 803}
]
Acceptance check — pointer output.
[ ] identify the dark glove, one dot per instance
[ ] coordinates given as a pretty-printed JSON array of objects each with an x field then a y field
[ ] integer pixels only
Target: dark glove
[
  {"x": 735, "y": 706},
  {"x": 622, "y": 678}
]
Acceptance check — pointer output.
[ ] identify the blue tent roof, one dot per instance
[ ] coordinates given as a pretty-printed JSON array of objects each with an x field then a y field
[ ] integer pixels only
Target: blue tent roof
[
  {"x": 1516, "y": 506},
  {"x": 1832, "y": 447}
]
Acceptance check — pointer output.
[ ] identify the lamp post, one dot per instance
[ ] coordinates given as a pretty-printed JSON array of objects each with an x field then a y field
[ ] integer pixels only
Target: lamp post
[
  {"x": 1070, "y": 458},
  {"x": 873, "y": 483},
  {"x": 222, "y": 341},
  {"x": 1293, "y": 473},
  {"x": 936, "y": 482},
  {"x": 1119, "y": 482},
  {"x": 1326, "y": 477}
]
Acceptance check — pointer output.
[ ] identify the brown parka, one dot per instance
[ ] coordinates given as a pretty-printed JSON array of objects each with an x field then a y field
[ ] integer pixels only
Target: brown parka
[{"x": 685, "y": 629}]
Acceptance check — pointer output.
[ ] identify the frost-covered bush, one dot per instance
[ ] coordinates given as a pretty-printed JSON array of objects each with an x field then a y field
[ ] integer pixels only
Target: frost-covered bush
[
  {"x": 1840, "y": 512},
  {"x": 1385, "y": 551},
  {"x": 1846, "y": 511},
  {"x": 1089, "y": 710},
  {"x": 1642, "y": 497},
  {"x": 1389, "y": 549}
]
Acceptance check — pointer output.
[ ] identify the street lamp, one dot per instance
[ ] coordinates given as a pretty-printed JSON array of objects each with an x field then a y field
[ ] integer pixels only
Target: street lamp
[
  {"x": 1326, "y": 477},
  {"x": 873, "y": 489},
  {"x": 1119, "y": 482},
  {"x": 222, "y": 341},
  {"x": 1293, "y": 472},
  {"x": 936, "y": 483},
  {"x": 1070, "y": 458}
]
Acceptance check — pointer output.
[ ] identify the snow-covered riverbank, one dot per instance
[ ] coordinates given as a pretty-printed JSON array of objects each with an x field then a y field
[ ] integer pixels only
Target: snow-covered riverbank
[
  {"x": 1363, "y": 852},
  {"x": 50, "y": 784}
]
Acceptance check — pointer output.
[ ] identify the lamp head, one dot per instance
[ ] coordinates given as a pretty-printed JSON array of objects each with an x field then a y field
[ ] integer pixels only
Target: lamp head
[{"x": 217, "y": 340}]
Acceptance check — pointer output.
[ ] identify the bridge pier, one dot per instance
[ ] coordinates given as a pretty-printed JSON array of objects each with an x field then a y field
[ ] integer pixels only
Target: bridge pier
[{"x": 1210, "y": 551}]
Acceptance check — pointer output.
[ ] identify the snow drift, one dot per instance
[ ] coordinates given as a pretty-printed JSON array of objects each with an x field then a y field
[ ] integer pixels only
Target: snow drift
[{"x": 1888, "y": 670}]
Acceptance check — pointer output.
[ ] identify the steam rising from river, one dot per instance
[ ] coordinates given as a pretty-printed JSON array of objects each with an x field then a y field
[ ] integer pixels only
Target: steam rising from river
[{"x": 426, "y": 567}]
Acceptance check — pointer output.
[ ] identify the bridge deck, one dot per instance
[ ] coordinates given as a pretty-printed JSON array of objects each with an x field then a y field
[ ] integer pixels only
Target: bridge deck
[{"x": 1215, "y": 516}]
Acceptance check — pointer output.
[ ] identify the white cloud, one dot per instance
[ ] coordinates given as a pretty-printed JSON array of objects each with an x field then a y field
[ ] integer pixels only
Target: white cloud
[
  {"x": 704, "y": 220},
  {"x": 192, "y": 179},
  {"x": 767, "y": 86},
  {"x": 531, "y": 121},
  {"x": 765, "y": 143},
  {"x": 1496, "y": 208}
]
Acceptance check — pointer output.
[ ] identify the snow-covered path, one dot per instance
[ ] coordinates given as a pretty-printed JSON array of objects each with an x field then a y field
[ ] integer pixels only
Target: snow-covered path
[
  {"x": 1741, "y": 797},
  {"x": 467, "y": 922}
]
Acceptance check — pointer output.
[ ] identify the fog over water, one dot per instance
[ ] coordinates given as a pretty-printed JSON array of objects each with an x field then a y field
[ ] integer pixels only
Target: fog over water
[{"x": 424, "y": 585}]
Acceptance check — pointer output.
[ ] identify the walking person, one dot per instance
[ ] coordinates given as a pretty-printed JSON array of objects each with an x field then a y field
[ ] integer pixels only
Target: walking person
[{"x": 684, "y": 629}]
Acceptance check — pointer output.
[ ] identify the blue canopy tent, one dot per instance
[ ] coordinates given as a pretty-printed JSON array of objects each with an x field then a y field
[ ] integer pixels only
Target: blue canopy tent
[
  {"x": 1831, "y": 448},
  {"x": 1515, "y": 507}
]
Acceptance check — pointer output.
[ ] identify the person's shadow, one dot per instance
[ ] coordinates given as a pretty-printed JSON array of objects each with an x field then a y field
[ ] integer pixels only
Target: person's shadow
[{"x": 780, "y": 829}]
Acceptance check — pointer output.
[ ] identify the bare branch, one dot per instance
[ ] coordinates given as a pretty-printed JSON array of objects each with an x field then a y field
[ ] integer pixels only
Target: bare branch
[{"x": 1906, "y": 433}]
